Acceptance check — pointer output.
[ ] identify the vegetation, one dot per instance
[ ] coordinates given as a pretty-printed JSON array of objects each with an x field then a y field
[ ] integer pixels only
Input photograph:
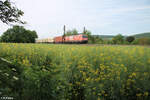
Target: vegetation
[
  {"x": 144, "y": 41},
  {"x": 18, "y": 34},
  {"x": 72, "y": 72},
  {"x": 75, "y": 32},
  {"x": 104, "y": 37},
  {"x": 9, "y": 13},
  {"x": 72, "y": 32},
  {"x": 94, "y": 40},
  {"x": 108, "y": 37},
  {"x": 139, "y": 39},
  {"x": 87, "y": 32},
  {"x": 130, "y": 39},
  {"x": 118, "y": 39},
  {"x": 142, "y": 35}
]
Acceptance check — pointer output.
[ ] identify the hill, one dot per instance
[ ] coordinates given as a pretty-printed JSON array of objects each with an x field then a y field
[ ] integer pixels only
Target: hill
[
  {"x": 141, "y": 35},
  {"x": 104, "y": 36}
]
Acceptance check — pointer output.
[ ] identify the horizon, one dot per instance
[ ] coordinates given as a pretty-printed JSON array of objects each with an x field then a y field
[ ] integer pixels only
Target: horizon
[{"x": 105, "y": 17}]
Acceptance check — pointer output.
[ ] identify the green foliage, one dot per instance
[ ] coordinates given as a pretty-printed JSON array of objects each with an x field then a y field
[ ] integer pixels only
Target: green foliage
[
  {"x": 11, "y": 81},
  {"x": 88, "y": 33},
  {"x": 74, "y": 32},
  {"x": 24, "y": 80},
  {"x": 130, "y": 39},
  {"x": 39, "y": 83},
  {"x": 0, "y": 39},
  {"x": 118, "y": 39},
  {"x": 68, "y": 33},
  {"x": 18, "y": 34},
  {"x": 9, "y": 13},
  {"x": 95, "y": 40},
  {"x": 135, "y": 42},
  {"x": 72, "y": 72},
  {"x": 71, "y": 32}
]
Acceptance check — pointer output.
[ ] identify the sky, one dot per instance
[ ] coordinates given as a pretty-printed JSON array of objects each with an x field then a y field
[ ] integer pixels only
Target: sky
[{"x": 101, "y": 17}]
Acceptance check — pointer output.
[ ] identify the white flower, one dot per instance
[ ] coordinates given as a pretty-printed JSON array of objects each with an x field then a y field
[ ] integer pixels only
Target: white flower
[
  {"x": 6, "y": 74},
  {"x": 16, "y": 78}
]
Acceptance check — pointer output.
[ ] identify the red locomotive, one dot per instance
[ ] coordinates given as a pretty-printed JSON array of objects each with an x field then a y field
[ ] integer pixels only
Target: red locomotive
[{"x": 81, "y": 38}]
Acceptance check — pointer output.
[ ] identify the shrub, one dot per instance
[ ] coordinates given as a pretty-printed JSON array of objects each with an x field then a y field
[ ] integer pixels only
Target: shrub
[{"x": 130, "y": 39}]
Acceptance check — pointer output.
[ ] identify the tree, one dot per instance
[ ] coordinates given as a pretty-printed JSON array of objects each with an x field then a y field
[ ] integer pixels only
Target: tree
[
  {"x": 87, "y": 32},
  {"x": 68, "y": 33},
  {"x": 74, "y": 32},
  {"x": 118, "y": 39},
  {"x": 9, "y": 13},
  {"x": 18, "y": 34},
  {"x": 95, "y": 39},
  {"x": 71, "y": 32},
  {"x": 0, "y": 38},
  {"x": 130, "y": 39}
]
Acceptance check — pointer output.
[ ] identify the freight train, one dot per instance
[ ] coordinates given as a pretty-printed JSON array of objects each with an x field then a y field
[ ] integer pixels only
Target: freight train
[{"x": 80, "y": 38}]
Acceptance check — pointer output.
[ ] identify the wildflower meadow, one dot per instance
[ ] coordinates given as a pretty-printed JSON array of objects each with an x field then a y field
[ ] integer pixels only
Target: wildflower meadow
[{"x": 74, "y": 72}]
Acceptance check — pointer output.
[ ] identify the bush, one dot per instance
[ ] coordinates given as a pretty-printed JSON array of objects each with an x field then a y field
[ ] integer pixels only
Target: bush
[
  {"x": 95, "y": 40},
  {"x": 130, "y": 39},
  {"x": 144, "y": 41},
  {"x": 135, "y": 42}
]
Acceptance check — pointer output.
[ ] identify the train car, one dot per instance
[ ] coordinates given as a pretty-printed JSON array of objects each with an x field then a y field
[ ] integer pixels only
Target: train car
[
  {"x": 81, "y": 38},
  {"x": 58, "y": 39},
  {"x": 47, "y": 40}
]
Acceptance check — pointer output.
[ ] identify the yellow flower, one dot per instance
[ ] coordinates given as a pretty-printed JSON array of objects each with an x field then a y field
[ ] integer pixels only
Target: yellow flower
[
  {"x": 94, "y": 93},
  {"x": 103, "y": 91},
  {"x": 99, "y": 94},
  {"x": 149, "y": 61},
  {"x": 145, "y": 73},
  {"x": 94, "y": 88},
  {"x": 87, "y": 79},
  {"x": 139, "y": 94},
  {"x": 134, "y": 74},
  {"x": 146, "y": 93},
  {"x": 98, "y": 98},
  {"x": 105, "y": 94}
]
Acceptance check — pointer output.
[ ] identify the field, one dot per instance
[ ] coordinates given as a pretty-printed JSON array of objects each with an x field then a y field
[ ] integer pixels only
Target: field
[{"x": 75, "y": 72}]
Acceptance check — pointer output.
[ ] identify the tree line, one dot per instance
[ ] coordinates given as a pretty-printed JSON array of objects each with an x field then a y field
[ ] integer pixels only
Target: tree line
[{"x": 121, "y": 40}]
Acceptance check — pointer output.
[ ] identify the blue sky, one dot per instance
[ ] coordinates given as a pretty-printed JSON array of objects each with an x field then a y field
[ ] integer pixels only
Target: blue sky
[{"x": 102, "y": 17}]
